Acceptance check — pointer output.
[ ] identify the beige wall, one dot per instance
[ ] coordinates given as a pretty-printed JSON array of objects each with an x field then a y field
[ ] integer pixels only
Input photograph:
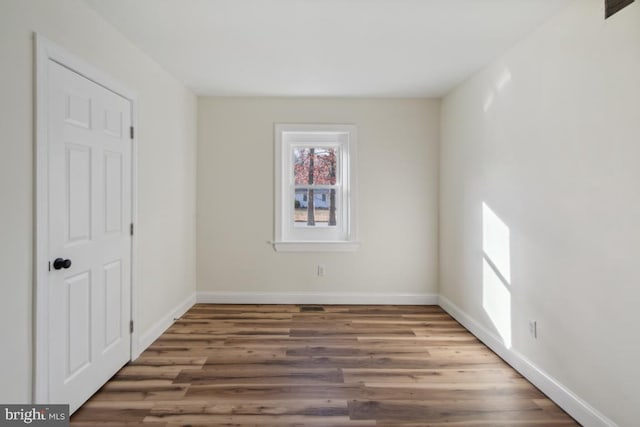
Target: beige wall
[
  {"x": 548, "y": 137},
  {"x": 166, "y": 171},
  {"x": 398, "y": 182}
]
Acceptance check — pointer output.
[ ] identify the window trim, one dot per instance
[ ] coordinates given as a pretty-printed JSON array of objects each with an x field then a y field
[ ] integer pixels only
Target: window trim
[{"x": 284, "y": 239}]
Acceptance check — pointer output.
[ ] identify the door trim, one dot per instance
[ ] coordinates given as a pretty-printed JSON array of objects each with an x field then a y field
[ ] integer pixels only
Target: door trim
[{"x": 45, "y": 50}]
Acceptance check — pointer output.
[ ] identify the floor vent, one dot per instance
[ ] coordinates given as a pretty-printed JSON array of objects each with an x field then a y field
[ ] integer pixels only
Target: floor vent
[{"x": 310, "y": 308}]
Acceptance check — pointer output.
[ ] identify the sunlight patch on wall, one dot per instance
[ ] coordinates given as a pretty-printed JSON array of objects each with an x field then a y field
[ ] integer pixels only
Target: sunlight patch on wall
[
  {"x": 495, "y": 242},
  {"x": 503, "y": 80},
  {"x": 488, "y": 101},
  {"x": 496, "y": 272},
  {"x": 501, "y": 83}
]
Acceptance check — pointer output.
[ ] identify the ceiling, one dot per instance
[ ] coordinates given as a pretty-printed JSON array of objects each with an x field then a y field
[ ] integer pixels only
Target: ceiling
[{"x": 386, "y": 48}]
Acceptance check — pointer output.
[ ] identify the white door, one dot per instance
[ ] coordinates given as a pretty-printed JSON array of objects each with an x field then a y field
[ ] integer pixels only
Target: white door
[{"x": 89, "y": 218}]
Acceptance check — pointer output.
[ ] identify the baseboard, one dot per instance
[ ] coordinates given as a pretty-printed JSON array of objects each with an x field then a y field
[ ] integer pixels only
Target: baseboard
[
  {"x": 579, "y": 409},
  {"x": 221, "y": 297},
  {"x": 153, "y": 333}
]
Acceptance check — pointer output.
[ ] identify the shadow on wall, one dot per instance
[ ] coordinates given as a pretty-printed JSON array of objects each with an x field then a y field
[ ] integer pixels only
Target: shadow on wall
[{"x": 496, "y": 273}]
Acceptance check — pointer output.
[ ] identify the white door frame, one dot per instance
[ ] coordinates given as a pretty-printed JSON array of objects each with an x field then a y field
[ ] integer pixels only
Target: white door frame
[{"x": 45, "y": 51}]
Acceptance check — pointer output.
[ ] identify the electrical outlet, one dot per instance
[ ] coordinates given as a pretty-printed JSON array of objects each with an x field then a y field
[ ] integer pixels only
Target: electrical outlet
[
  {"x": 533, "y": 328},
  {"x": 320, "y": 270}
]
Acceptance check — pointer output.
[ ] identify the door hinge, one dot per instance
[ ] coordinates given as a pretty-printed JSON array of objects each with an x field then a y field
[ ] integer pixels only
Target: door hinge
[
  {"x": 131, "y": 326},
  {"x": 131, "y": 229},
  {"x": 131, "y": 131},
  {"x": 49, "y": 265}
]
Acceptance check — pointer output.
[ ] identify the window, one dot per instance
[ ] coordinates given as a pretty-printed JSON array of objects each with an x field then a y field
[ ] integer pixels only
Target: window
[{"x": 315, "y": 187}]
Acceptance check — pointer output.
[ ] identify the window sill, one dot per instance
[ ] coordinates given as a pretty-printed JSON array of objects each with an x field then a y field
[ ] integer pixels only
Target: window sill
[{"x": 316, "y": 246}]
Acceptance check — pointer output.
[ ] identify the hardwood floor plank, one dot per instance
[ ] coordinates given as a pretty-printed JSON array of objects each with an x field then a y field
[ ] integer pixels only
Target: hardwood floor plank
[
  {"x": 385, "y": 350},
  {"x": 348, "y": 362},
  {"x": 241, "y": 420},
  {"x": 132, "y": 391},
  {"x": 519, "y": 410},
  {"x": 350, "y": 331},
  {"x": 276, "y": 392},
  {"x": 223, "y": 352},
  {"x": 112, "y": 423},
  {"x": 249, "y": 375},
  {"x": 119, "y": 411},
  {"x": 311, "y": 408},
  {"x": 478, "y": 423},
  {"x": 432, "y": 341},
  {"x": 248, "y": 422},
  {"x": 273, "y": 365},
  {"x": 230, "y": 331},
  {"x": 447, "y": 393},
  {"x": 449, "y": 376},
  {"x": 159, "y": 361}
]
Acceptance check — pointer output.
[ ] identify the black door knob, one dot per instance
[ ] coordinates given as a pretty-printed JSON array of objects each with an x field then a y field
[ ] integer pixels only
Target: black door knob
[{"x": 61, "y": 263}]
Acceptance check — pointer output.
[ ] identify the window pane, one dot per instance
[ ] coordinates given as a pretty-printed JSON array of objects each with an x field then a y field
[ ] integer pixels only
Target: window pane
[
  {"x": 315, "y": 208},
  {"x": 315, "y": 165}
]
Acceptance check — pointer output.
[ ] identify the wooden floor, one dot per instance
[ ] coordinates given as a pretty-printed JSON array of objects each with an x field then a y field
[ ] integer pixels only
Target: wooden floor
[{"x": 226, "y": 365}]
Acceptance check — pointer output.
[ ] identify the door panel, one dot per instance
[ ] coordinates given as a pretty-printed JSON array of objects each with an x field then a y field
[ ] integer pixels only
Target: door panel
[
  {"x": 78, "y": 194},
  {"x": 78, "y": 111},
  {"x": 112, "y": 297},
  {"x": 113, "y": 123},
  {"x": 113, "y": 192},
  {"x": 89, "y": 212},
  {"x": 78, "y": 323}
]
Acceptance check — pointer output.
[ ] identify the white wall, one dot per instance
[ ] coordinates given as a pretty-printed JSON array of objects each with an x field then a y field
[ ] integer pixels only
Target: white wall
[
  {"x": 548, "y": 137},
  {"x": 167, "y": 126},
  {"x": 398, "y": 181}
]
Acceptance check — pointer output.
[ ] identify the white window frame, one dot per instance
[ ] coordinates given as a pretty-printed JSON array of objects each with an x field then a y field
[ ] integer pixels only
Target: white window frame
[{"x": 295, "y": 238}]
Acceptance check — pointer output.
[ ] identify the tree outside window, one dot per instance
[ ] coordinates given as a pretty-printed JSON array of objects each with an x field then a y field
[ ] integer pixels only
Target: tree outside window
[{"x": 315, "y": 178}]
